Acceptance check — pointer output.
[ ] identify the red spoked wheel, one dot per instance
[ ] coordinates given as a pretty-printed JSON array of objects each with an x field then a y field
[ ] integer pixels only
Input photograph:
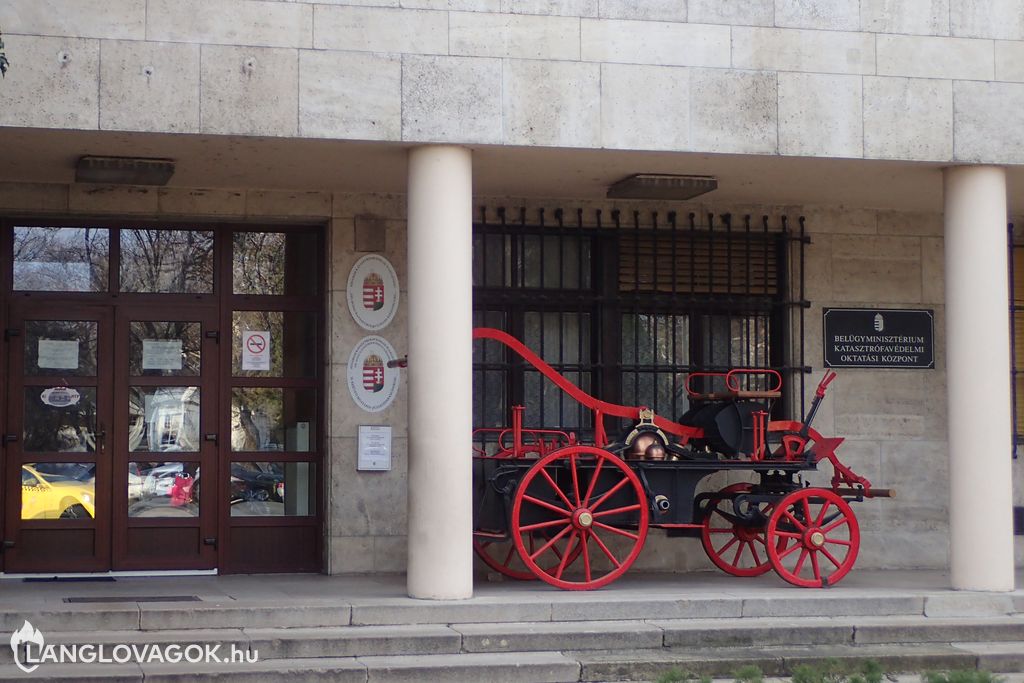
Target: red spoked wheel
[
  {"x": 735, "y": 543},
  {"x": 813, "y": 538},
  {"x": 594, "y": 501},
  {"x": 501, "y": 554}
]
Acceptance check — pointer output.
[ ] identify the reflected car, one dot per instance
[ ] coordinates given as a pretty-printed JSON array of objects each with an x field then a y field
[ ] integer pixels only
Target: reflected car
[
  {"x": 160, "y": 480},
  {"x": 54, "y": 496},
  {"x": 260, "y": 481}
]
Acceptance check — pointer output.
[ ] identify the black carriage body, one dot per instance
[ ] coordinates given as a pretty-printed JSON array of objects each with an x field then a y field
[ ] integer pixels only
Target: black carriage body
[{"x": 670, "y": 488}]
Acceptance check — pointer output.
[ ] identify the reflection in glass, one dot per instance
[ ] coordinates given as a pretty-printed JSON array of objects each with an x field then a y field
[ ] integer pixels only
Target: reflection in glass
[
  {"x": 61, "y": 259},
  {"x": 58, "y": 490},
  {"x": 60, "y": 419},
  {"x": 163, "y": 419},
  {"x": 266, "y": 419},
  {"x": 270, "y": 263},
  {"x": 272, "y": 489},
  {"x": 164, "y": 349},
  {"x": 60, "y": 347},
  {"x": 168, "y": 261},
  {"x": 292, "y": 342},
  {"x": 163, "y": 489}
]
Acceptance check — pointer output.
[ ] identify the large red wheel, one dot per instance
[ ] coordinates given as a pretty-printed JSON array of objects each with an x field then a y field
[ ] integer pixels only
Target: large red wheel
[
  {"x": 594, "y": 501},
  {"x": 813, "y": 538},
  {"x": 501, "y": 554},
  {"x": 736, "y": 544}
]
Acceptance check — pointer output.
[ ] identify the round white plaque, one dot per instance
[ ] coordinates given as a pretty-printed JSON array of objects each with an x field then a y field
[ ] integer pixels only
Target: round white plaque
[
  {"x": 371, "y": 382},
  {"x": 372, "y": 292}
]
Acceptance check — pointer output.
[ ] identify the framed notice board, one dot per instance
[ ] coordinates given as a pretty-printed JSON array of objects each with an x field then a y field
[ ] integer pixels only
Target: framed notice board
[{"x": 879, "y": 338}]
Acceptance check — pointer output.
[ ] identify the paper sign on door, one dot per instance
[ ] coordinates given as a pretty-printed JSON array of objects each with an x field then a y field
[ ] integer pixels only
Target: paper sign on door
[
  {"x": 161, "y": 355},
  {"x": 56, "y": 353},
  {"x": 256, "y": 350}
]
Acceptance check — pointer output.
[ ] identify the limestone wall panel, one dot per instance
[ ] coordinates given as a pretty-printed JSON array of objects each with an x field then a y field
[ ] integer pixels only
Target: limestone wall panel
[
  {"x": 146, "y": 86},
  {"x": 908, "y": 118},
  {"x": 569, "y": 8},
  {"x": 381, "y": 29},
  {"x": 230, "y": 22},
  {"x": 652, "y": 42},
  {"x": 987, "y": 18},
  {"x": 784, "y": 49},
  {"x": 451, "y": 99},
  {"x": 481, "y": 34},
  {"x": 738, "y": 12},
  {"x": 650, "y": 10},
  {"x": 54, "y": 85},
  {"x": 927, "y": 17},
  {"x": 821, "y": 115},
  {"x": 988, "y": 122},
  {"x": 350, "y": 95},
  {"x": 124, "y": 19},
  {"x": 934, "y": 57},
  {"x": 876, "y": 270},
  {"x": 1010, "y": 60},
  {"x": 185, "y": 201},
  {"x": 552, "y": 103},
  {"x": 645, "y": 107},
  {"x": 249, "y": 91},
  {"x": 750, "y": 97},
  {"x": 819, "y": 14}
]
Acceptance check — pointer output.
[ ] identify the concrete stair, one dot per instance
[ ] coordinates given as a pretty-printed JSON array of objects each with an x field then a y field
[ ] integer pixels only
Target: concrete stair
[{"x": 532, "y": 634}]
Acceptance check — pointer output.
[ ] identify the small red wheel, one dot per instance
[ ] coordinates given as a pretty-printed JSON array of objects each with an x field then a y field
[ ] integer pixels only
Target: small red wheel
[
  {"x": 501, "y": 554},
  {"x": 592, "y": 499},
  {"x": 736, "y": 546},
  {"x": 813, "y": 538}
]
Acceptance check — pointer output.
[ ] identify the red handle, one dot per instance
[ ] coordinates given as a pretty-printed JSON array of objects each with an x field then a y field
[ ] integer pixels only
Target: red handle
[
  {"x": 735, "y": 386},
  {"x": 823, "y": 384}
]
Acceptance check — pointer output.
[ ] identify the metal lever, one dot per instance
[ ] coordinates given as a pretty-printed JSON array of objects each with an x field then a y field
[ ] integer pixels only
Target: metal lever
[
  {"x": 210, "y": 541},
  {"x": 210, "y": 437},
  {"x": 10, "y": 438}
]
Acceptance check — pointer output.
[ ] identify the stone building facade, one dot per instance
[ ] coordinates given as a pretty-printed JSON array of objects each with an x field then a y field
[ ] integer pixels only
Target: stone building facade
[{"x": 846, "y": 112}]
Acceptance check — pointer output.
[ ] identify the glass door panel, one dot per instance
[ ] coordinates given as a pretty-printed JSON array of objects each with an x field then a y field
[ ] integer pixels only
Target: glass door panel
[
  {"x": 59, "y": 398},
  {"x": 164, "y": 443}
]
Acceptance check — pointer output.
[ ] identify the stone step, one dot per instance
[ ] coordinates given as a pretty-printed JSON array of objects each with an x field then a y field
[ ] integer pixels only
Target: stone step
[
  {"x": 417, "y": 639},
  {"x": 551, "y": 667}
]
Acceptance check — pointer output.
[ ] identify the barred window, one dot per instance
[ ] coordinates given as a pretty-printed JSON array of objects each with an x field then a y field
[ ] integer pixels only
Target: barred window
[{"x": 626, "y": 306}]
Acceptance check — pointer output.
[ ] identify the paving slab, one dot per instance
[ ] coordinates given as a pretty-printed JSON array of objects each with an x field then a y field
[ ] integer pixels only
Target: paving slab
[
  {"x": 997, "y": 657},
  {"x": 961, "y": 604},
  {"x": 933, "y": 630},
  {"x": 641, "y": 665},
  {"x": 576, "y": 635},
  {"x": 92, "y": 673},
  {"x": 342, "y": 670},
  {"x": 826, "y": 605},
  {"x": 647, "y": 608},
  {"x": 292, "y": 614},
  {"x": 427, "y": 612},
  {"x": 539, "y": 667},
  {"x": 226, "y": 637},
  {"x": 352, "y": 641},
  {"x": 82, "y": 617}
]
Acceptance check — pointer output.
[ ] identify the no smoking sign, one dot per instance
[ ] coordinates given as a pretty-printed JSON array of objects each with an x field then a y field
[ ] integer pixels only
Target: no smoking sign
[{"x": 256, "y": 350}]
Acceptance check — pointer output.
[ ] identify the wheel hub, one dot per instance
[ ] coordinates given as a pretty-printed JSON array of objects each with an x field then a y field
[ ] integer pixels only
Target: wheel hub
[
  {"x": 814, "y": 538},
  {"x": 583, "y": 518}
]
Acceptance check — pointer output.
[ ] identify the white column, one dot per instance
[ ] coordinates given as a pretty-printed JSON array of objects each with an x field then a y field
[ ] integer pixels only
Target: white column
[
  {"x": 440, "y": 565},
  {"x": 978, "y": 379}
]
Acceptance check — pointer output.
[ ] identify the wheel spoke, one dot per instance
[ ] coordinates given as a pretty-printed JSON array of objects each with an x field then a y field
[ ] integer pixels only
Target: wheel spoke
[
  {"x": 575, "y": 478},
  {"x": 721, "y": 531},
  {"x": 831, "y": 558},
  {"x": 753, "y": 551},
  {"x": 626, "y": 508},
  {"x": 786, "y": 534},
  {"x": 511, "y": 552},
  {"x": 787, "y": 551},
  {"x": 739, "y": 553},
  {"x": 604, "y": 549},
  {"x": 839, "y": 541},
  {"x": 586, "y": 555},
  {"x": 547, "y": 477},
  {"x": 542, "y": 525},
  {"x": 807, "y": 510},
  {"x": 551, "y": 542},
  {"x": 799, "y": 524},
  {"x": 837, "y": 523},
  {"x": 568, "y": 552},
  {"x": 547, "y": 505},
  {"x": 608, "y": 494},
  {"x": 614, "y": 530},
  {"x": 593, "y": 482},
  {"x": 800, "y": 561},
  {"x": 721, "y": 551},
  {"x": 821, "y": 513},
  {"x": 814, "y": 565}
]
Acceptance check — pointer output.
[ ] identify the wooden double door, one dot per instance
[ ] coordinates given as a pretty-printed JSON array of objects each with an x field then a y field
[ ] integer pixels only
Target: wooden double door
[{"x": 111, "y": 438}]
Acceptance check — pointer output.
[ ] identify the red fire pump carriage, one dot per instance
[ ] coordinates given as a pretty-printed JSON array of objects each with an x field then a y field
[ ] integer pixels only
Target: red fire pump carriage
[{"x": 576, "y": 515}]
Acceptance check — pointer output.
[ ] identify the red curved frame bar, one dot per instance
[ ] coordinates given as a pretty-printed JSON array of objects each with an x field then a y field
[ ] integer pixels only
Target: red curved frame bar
[{"x": 599, "y": 407}]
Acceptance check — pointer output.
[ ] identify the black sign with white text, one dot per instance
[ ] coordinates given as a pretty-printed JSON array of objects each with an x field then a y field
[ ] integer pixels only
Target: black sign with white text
[{"x": 879, "y": 338}]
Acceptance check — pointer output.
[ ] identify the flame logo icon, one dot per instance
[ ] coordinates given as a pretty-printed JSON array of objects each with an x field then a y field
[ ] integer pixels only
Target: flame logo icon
[
  {"x": 879, "y": 322},
  {"x": 23, "y": 636}
]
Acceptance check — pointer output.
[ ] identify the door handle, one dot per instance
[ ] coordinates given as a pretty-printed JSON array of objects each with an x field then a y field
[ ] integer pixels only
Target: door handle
[
  {"x": 10, "y": 438},
  {"x": 210, "y": 437}
]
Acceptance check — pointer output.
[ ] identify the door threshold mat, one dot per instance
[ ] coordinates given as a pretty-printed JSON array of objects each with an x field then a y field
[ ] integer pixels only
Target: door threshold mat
[
  {"x": 138, "y": 598},
  {"x": 66, "y": 579}
]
